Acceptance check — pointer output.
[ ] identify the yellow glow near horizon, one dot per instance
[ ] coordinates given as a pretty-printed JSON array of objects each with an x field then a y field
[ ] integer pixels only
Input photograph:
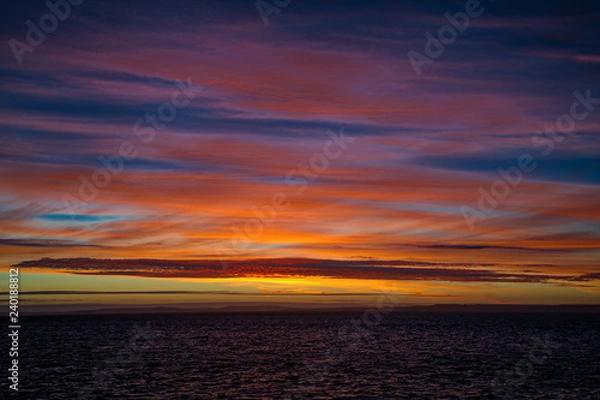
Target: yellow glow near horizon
[{"x": 288, "y": 290}]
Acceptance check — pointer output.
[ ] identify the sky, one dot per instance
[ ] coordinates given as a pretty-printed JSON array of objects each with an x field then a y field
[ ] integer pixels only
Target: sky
[{"x": 301, "y": 152}]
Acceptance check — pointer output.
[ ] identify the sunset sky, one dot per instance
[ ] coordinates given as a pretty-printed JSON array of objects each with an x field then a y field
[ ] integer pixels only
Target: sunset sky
[{"x": 308, "y": 160}]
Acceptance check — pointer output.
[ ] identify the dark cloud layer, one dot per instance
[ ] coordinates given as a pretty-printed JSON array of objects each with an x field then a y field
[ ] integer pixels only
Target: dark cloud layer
[{"x": 388, "y": 270}]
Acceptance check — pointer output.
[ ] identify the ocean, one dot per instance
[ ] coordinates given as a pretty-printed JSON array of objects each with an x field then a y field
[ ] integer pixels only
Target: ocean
[{"x": 328, "y": 355}]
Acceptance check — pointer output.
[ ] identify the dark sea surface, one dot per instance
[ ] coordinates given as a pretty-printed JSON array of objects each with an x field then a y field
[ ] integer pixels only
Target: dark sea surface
[{"x": 310, "y": 356}]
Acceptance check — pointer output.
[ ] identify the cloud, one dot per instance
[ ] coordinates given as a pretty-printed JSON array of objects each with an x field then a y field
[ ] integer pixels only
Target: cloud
[
  {"x": 44, "y": 243},
  {"x": 292, "y": 267},
  {"x": 265, "y": 100}
]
